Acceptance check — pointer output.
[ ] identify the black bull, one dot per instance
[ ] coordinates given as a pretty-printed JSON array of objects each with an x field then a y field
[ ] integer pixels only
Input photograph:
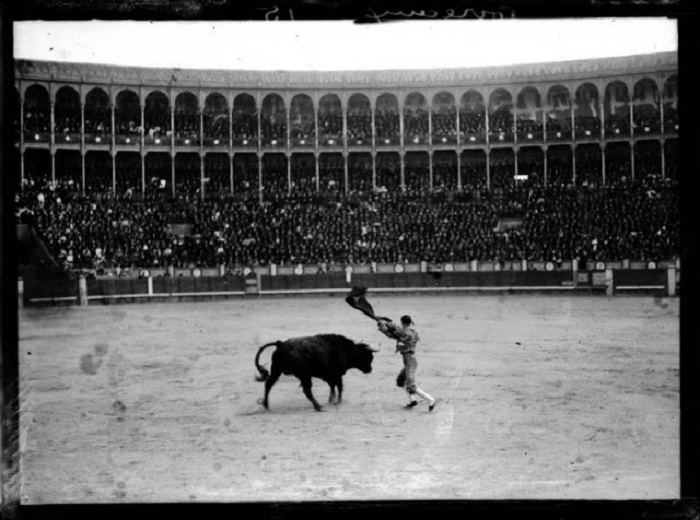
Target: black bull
[{"x": 325, "y": 356}]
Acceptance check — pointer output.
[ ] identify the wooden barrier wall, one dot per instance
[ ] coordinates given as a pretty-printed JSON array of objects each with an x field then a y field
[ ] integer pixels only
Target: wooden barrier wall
[{"x": 110, "y": 290}]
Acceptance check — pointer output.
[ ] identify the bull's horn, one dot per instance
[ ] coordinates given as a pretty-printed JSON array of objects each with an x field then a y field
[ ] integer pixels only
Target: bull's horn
[{"x": 373, "y": 349}]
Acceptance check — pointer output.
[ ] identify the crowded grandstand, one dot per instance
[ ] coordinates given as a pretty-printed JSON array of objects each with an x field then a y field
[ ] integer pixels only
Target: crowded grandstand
[{"x": 126, "y": 168}]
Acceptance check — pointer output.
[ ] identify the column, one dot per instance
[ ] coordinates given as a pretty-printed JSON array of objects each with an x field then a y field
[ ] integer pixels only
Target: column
[
  {"x": 486, "y": 120},
  {"x": 345, "y": 128},
  {"x": 545, "y": 149},
  {"x": 430, "y": 132},
  {"x": 345, "y": 164},
  {"x": 260, "y": 184},
  {"x": 230, "y": 166},
  {"x": 459, "y": 168},
  {"x": 21, "y": 127},
  {"x": 632, "y": 159},
  {"x": 143, "y": 172},
  {"x": 602, "y": 118},
  {"x": 201, "y": 174},
  {"x": 53, "y": 166},
  {"x": 544, "y": 124},
  {"x": 401, "y": 140},
  {"x": 114, "y": 125},
  {"x": 516, "y": 152},
  {"x": 143, "y": 127},
  {"x": 230, "y": 137},
  {"x": 661, "y": 110},
  {"x": 172, "y": 171},
  {"x": 488, "y": 169},
  {"x": 259, "y": 114},
  {"x": 114, "y": 172},
  {"x": 82, "y": 165},
  {"x": 632, "y": 132},
  {"x": 289, "y": 173},
  {"x": 573, "y": 119},
  {"x": 52, "y": 128},
  {"x": 82, "y": 125},
  {"x": 374, "y": 171},
  {"x": 430, "y": 169},
  {"x": 201, "y": 128},
  {"x": 21, "y": 165},
  {"x": 374, "y": 127},
  {"x": 403, "y": 173},
  {"x": 602, "y": 161},
  {"x": 317, "y": 156},
  {"x": 459, "y": 140},
  {"x": 287, "y": 113},
  {"x": 662, "y": 143},
  {"x": 315, "y": 130},
  {"x": 573, "y": 164}
]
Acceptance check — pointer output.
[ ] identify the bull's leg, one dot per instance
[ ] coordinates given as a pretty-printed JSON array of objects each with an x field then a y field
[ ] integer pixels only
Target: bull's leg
[
  {"x": 336, "y": 398},
  {"x": 339, "y": 384},
  {"x": 275, "y": 374},
  {"x": 306, "y": 385},
  {"x": 331, "y": 397}
]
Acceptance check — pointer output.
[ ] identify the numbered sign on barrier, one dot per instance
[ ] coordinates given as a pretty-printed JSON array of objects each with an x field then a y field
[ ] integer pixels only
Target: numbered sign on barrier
[
  {"x": 398, "y": 268},
  {"x": 247, "y": 271},
  {"x": 651, "y": 265},
  {"x": 299, "y": 269},
  {"x": 549, "y": 266},
  {"x": 600, "y": 266},
  {"x": 144, "y": 273},
  {"x": 449, "y": 268},
  {"x": 197, "y": 272},
  {"x": 497, "y": 266}
]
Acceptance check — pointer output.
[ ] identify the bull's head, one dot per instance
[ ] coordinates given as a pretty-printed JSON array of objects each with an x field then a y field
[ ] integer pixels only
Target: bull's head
[
  {"x": 365, "y": 357},
  {"x": 364, "y": 345}
]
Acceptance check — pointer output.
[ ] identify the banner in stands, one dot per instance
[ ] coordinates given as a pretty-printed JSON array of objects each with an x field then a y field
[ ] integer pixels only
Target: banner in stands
[
  {"x": 180, "y": 229},
  {"x": 504, "y": 224}
]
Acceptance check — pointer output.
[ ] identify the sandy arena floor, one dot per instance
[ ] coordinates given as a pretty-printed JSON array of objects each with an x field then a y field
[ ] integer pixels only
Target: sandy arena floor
[{"x": 561, "y": 397}]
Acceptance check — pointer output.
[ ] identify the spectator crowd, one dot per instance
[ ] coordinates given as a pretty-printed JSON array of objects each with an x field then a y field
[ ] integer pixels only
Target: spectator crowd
[{"x": 638, "y": 221}]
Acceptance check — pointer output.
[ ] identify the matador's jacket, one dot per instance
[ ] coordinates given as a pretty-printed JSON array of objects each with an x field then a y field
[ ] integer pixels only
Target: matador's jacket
[
  {"x": 406, "y": 338},
  {"x": 406, "y": 341}
]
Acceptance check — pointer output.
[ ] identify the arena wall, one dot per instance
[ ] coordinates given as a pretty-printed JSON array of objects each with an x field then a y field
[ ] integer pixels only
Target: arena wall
[{"x": 83, "y": 291}]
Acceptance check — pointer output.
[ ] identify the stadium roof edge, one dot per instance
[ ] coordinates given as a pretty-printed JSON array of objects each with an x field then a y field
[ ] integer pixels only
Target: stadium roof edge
[{"x": 177, "y": 77}]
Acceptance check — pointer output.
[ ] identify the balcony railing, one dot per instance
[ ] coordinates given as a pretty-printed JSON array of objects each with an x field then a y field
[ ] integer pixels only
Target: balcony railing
[
  {"x": 129, "y": 139},
  {"x": 501, "y": 136},
  {"x": 186, "y": 139},
  {"x": 471, "y": 138},
  {"x": 416, "y": 139},
  {"x": 586, "y": 131},
  {"x": 388, "y": 141},
  {"x": 449, "y": 139},
  {"x": 67, "y": 138},
  {"x": 274, "y": 142}
]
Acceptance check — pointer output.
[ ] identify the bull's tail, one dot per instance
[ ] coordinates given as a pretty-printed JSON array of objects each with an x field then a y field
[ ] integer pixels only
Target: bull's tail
[{"x": 263, "y": 372}]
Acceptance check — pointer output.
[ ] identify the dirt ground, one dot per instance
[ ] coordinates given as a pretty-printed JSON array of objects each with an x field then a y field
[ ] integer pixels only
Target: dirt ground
[{"x": 560, "y": 397}]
